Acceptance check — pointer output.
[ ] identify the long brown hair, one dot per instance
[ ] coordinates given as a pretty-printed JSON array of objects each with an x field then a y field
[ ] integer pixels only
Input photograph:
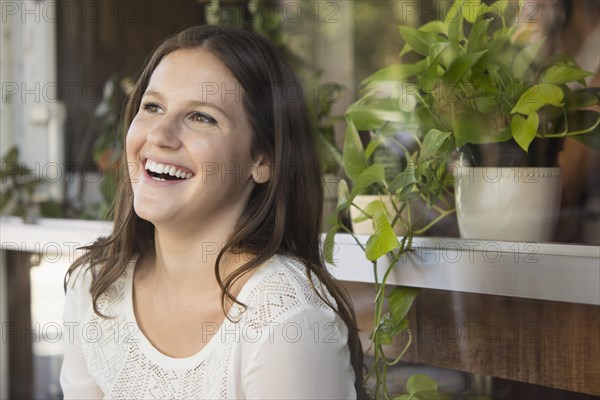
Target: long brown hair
[{"x": 282, "y": 216}]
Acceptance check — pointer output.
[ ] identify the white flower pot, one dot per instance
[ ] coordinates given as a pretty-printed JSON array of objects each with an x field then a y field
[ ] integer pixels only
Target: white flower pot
[{"x": 514, "y": 204}]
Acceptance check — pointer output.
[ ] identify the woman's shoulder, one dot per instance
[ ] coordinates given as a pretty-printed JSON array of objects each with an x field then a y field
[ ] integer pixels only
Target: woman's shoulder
[
  {"x": 80, "y": 280},
  {"x": 281, "y": 289}
]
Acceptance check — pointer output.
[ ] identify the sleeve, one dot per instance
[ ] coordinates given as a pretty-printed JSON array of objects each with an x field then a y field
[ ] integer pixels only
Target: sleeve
[
  {"x": 304, "y": 357},
  {"x": 75, "y": 379}
]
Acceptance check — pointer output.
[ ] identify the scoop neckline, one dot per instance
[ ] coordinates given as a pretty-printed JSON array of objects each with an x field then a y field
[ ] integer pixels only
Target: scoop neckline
[{"x": 155, "y": 355}]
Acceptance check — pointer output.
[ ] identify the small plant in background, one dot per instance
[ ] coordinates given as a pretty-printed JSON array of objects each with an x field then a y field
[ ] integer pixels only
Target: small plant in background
[
  {"x": 19, "y": 190},
  {"x": 320, "y": 98},
  {"x": 108, "y": 147},
  {"x": 259, "y": 16}
]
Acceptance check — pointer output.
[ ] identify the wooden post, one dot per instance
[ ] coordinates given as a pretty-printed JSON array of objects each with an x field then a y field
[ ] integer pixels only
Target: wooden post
[{"x": 18, "y": 330}]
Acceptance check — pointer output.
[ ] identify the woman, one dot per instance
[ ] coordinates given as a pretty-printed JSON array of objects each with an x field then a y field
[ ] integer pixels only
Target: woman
[{"x": 212, "y": 284}]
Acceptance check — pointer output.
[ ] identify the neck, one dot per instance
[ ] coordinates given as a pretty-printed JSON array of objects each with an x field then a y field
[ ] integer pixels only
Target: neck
[{"x": 184, "y": 260}]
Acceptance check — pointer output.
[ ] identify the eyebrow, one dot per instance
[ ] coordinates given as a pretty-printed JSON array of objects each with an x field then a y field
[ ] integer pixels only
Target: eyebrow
[{"x": 191, "y": 102}]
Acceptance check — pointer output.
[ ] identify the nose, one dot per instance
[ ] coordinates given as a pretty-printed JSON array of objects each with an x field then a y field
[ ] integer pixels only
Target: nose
[{"x": 165, "y": 133}]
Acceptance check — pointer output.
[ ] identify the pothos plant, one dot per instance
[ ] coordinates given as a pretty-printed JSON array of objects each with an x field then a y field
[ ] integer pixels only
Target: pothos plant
[
  {"x": 480, "y": 78},
  {"x": 477, "y": 79},
  {"x": 423, "y": 180}
]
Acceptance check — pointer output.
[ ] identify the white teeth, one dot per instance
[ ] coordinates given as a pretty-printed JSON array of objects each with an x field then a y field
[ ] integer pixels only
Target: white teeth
[{"x": 159, "y": 168}]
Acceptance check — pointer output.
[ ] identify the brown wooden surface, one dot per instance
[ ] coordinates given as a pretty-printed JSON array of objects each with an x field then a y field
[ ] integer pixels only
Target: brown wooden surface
[
  {"x": 18, "y": 327},
  {"x": 100, "y": 39},
  {"x": 545, "y": 343}
]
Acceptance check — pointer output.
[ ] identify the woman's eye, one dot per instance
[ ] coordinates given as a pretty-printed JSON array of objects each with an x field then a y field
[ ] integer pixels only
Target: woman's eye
[
  {"x": 200, "y": 117},
  {"x": 151, "y": 107}
]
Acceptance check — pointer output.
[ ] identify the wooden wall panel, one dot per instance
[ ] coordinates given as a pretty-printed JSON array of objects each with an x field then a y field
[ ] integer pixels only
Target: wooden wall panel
[{"x": 546, "y": 343}]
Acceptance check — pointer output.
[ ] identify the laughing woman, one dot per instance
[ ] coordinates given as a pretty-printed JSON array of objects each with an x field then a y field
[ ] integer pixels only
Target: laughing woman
[{"x": 211, "y": 284}]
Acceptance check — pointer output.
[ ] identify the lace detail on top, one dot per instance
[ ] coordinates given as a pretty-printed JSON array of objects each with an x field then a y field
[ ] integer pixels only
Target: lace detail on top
[{"x": 126, "y": 366}]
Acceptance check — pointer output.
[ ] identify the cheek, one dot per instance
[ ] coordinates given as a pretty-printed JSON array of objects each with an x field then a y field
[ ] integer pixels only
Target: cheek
[
  {"x": 133, "y": 140},
  {"x": 133, "y": 144}
]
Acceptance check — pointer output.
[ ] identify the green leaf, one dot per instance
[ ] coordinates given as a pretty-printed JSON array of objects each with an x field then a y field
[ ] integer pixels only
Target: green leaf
[
  {"x": 404, "y": 178},
  {"x": 396, "y": 72},
  {"x": 400, "y": 301},
  {"x": 471, "y": 10},
  {"x": 375, "y": 142},
  {"x": 434, "y": 139},
  {"x": 370, "y": 210},
  {"x": 363, "y": 119},
  {"x": 343, "y": 195},
  {"x": 537, "y": 97},
  {"x": 417, "y": 40},
  {"x": 435, "y": 26},
  {"x": 455, "y": 18},
  {"x": 558, "y": 74},
  {"x": 16, "y": 170},
  {"x": 420, "y": 383},
  {"x": 524, "y": 58},
  {"x": 591, "y": 140},
  {"x": 354, "y": 161},
  {"x": 51, "y": 209},
  {"x": 582, "y": 98},
  {"x": 383, "y": 240},
  {"x": 435, "y": 51},
  {"x": 372, "y": 118},
  {"x": 427, "y": 395},
  {"x": 461, "y": 65},
  {"x": 584, "y": 120},
  {"x": 5, "y": 197},
  {"x": 329, "y": 244},
  {"x": 474, "y": 127},
  {"x": 11, "y": 156},
  {"x": 524, "y": 130},
  {"x": 478, "y": 33},
  {"x": 497, "y": 8},
  {"x": 387, "y": 330},
  {"x": 374, "y": 174}
]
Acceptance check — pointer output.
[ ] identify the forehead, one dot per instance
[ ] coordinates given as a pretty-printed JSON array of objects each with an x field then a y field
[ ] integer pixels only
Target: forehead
[{"x": 197, "y": 74}]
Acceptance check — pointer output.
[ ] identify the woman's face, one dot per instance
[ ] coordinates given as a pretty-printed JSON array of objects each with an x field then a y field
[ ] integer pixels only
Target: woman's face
[{"x": 188, "y": 147}]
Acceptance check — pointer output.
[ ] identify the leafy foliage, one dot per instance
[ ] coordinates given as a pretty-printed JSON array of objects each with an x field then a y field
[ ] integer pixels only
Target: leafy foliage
[
  {"x": 19, "y": 185},
  {"x": 477, "y": 79}
]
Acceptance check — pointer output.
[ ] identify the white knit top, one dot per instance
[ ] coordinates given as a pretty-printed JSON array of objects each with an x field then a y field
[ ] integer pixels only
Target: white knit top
[{"x": 288, "y": 344}]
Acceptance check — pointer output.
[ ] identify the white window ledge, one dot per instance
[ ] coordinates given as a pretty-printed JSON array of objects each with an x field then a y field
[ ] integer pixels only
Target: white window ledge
[{"x": 544, "y": 271}]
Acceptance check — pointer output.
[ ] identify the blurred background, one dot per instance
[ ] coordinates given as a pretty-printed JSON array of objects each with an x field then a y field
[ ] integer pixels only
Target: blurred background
[{"x": 66, "y": 68}]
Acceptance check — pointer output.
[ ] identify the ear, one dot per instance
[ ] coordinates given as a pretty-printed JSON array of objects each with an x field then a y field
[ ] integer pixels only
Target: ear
[{"x": 261, "y": 170}]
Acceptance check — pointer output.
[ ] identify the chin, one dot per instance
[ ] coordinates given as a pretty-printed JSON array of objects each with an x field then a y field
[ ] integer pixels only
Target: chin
[{"x": 156, "y": 215}]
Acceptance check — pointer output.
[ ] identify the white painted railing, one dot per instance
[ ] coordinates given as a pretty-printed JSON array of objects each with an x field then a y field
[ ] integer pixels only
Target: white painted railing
[{"x": 545, "y": 271}]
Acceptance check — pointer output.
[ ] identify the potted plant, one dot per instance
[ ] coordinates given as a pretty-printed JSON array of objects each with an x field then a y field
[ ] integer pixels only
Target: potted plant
[
  {"x": 480, "y": 82},
  {"x": 413, "y": 194},
  {"x": 476, "y": 82}
]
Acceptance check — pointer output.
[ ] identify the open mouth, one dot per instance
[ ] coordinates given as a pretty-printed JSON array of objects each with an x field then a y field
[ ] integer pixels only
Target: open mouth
[{"x": 166, "y": 172}]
